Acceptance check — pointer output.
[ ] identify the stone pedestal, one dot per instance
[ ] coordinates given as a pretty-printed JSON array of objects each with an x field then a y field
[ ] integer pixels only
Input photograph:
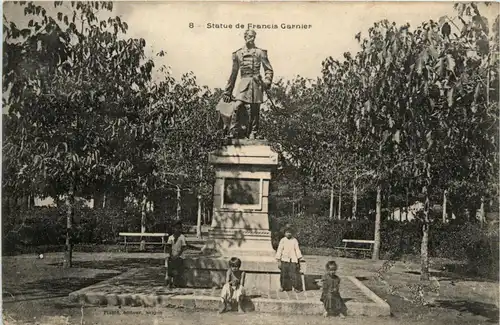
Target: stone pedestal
[{"x": 240, "y": 223}]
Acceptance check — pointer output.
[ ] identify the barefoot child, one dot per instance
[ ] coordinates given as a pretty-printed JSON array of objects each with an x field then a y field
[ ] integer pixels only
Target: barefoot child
[
  {"x": 333, "y": 303},
  {"x": 233, "y": 291},
  {"x": 289, "y": 257},
  {"x": 176, "y": 244}
]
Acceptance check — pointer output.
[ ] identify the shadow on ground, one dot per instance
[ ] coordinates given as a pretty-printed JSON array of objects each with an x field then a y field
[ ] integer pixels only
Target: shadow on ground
[
  {"x": 403, "y": 309},
  {"x": 489, "y": 311},
  {"x": 49, "y": 288},
  {"x": 455, "y": 274},
  {"x": 118, "y": 264}
]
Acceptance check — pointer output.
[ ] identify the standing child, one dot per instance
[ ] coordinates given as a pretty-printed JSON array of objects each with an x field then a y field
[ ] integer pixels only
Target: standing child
[
  {"x": 289, "y": 257},
  {"x": 176, "y": 244},
  {"x": 333, "y": 303},
  {"x": 233, "y": 291}
]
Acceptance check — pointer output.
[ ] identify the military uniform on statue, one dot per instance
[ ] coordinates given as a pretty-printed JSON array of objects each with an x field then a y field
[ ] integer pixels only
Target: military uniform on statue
[{"x": 244, "y": 120}]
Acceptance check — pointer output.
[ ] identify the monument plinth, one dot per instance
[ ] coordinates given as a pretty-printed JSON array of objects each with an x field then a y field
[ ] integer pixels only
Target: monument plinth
[{"x": 240, "y": 223}]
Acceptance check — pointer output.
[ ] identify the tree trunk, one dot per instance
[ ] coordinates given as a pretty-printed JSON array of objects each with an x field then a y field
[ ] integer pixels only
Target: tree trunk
[
  {"x": 389, "y": 207},
  {"x": 407, "y": 202},
  {"x": 354, "y": 198},
  {"x": 378, "y": 213},
  {"x": 178, "y": 212},
  {"x": 144, "y": 204},
  {"x": 331, "y": 203},
  {"x": 156, "y": 206},
  {"x": 98, "y": 200},
  {"x": 445, "y": 194},
  {"x": 340, "y": 200},
  {"x": 70, "y": 203},
  {"x": 481, "y": 212},
  {"x": 389, "y": 214},
  {"x": 31, "y": 201},
  {"x": 198, "y": 220},
  {"x": 424, "y": 247},
  {"x": 25, "y": 202},
  {"x": 424, "y": 254}
]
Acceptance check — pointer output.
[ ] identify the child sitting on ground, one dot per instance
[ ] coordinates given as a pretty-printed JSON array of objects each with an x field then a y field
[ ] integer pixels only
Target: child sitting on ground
[
  {"x": 233, "y": 291},
  {"x": 289, "y": 257},
  {"x": 176, "y": 244},
  {"x": 333, "y": 303}
]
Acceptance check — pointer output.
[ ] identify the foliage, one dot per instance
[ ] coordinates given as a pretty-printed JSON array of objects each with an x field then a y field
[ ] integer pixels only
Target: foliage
[
  {"x": 412, "y": 115},
  {"x": 463, "y": 242},
  {"x": 84, "y": 115},
  {"x": 45, "y": 226},
  {"x": 415, "y": 112}
]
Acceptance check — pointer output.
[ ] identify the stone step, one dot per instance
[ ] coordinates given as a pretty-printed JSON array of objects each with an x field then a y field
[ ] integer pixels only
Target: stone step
[
  {"x": 144, "y": 287},
  {"x": 203, "y": 302}
]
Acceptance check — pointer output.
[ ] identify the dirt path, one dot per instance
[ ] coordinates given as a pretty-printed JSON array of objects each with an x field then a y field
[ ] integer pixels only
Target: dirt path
[{"x": 35, "y": 291}]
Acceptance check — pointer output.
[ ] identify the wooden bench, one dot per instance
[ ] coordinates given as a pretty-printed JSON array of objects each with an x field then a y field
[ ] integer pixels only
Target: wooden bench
[
  {"x": 163, "y": 236},
  {"x": 358, "y": 242}
]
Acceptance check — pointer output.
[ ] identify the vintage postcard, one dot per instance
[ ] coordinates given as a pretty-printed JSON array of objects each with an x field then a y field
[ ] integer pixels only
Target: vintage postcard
[{"x": 264, "y": 162}]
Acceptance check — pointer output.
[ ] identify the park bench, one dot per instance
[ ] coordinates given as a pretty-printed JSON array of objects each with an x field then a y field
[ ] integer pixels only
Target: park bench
[
  {"x": 348, "y": 246},
  {"x": 163, "y": 236}
]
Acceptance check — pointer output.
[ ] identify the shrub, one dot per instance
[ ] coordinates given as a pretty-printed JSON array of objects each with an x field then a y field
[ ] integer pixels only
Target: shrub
[
  {"x": 482, "y": 255},
  {"x": 46, "y": 226},
  {"x": 319, "y": 231},
  {"x": 466, "y": 242}
]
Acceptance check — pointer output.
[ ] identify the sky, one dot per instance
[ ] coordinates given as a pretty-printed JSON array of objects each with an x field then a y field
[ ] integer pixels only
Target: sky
[{"x": 207, "y": 51}]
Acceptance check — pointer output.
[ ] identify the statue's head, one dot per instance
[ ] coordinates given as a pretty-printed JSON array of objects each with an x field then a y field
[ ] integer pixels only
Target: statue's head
[{"x": 250, "y": 35}]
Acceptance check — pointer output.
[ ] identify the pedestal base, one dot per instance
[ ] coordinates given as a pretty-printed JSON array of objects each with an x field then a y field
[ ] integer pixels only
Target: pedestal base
[
  {"x": 207, "y": 272},
  {"x": 240, "y": 220},
  {"x": 238, "y": 243}
]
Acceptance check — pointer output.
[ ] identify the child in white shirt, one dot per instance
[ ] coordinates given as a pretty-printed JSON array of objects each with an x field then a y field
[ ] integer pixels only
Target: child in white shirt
[
  {"x": 176, "y": 244},
  {"x": 289, "y": 257}
]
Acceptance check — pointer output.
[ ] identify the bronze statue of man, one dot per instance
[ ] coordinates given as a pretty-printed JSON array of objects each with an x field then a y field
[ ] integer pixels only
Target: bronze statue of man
[{"x": 250, "y": 91}]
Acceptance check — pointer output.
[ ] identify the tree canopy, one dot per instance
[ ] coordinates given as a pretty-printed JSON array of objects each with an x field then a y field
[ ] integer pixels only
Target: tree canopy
[{"x": 412, "y": 116}]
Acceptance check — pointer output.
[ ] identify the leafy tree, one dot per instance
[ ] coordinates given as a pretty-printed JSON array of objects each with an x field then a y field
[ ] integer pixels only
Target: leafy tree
[
  {"x": 291, "y": 127},
  {"x": 72, "y": 89}
]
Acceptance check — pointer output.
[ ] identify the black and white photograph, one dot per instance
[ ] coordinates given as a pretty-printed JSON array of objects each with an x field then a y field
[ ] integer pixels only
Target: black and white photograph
[{"x": 250, "y": 162}]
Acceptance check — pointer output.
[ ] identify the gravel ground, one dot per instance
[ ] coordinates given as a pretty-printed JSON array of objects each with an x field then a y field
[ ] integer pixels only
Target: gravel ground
[{"x": 35, "y": 292}]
